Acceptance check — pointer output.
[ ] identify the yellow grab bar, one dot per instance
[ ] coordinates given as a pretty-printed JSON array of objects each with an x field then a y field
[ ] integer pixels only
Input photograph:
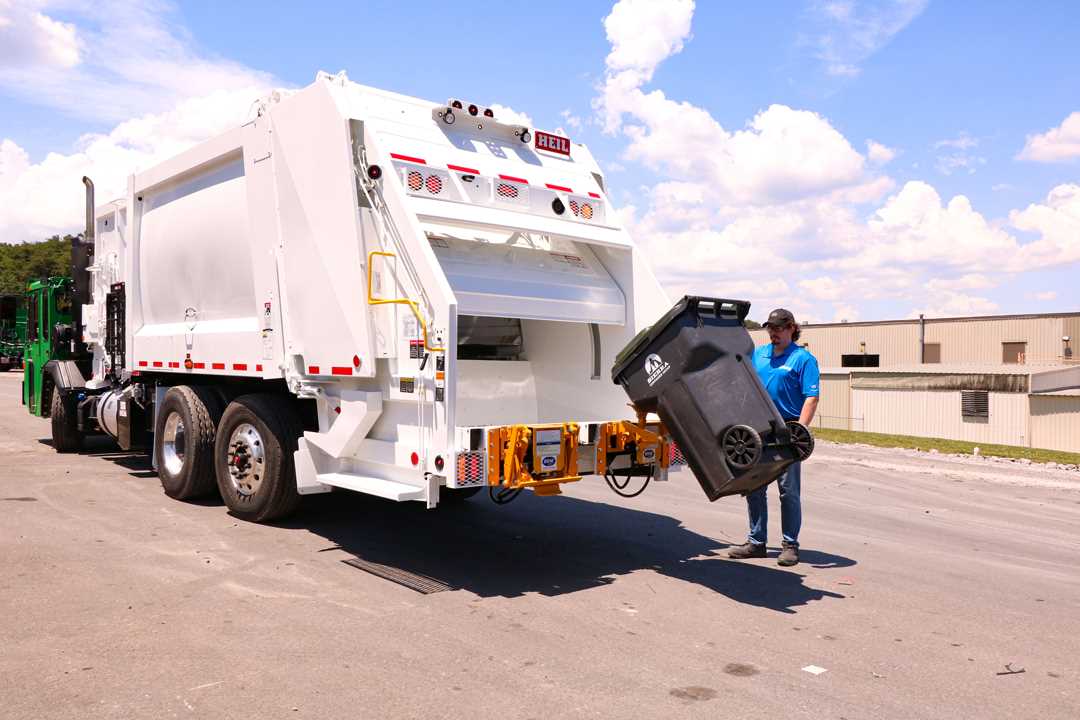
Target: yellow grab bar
[{"x": 398, "y": 301}]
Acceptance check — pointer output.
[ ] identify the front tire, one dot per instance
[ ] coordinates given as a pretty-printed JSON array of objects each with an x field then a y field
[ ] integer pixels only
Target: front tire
[
  {"x": 184, "y": 441},
  {"x": 66, "y": 437},
  {"x": 253, "y": 454}
]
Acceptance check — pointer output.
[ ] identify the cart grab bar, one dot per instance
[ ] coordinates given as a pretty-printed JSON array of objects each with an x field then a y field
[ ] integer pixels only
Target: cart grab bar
[{"x": 372, "y": 300}]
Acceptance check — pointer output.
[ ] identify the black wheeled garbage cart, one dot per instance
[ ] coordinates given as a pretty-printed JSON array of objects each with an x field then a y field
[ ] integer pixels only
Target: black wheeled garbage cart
[{"x": 694, "y": 368}]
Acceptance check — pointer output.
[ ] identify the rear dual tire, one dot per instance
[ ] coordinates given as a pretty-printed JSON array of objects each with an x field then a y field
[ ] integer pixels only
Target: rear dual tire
[{"x": 253, "y": 457}]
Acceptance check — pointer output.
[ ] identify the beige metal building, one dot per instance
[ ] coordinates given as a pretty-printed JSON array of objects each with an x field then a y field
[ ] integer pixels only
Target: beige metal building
[
  {"x": 1010, "y": 380},
  {"x": 1001, "y": 339}
]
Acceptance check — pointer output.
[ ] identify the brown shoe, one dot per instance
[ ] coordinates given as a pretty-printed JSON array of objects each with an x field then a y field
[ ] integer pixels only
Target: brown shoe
[
  {"x": 789, "y": 555},
  {"x": 747, "y": 550}
]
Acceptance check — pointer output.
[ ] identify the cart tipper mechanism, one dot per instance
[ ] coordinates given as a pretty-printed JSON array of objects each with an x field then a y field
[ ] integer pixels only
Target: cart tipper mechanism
[{"x": 362, "y": 290}]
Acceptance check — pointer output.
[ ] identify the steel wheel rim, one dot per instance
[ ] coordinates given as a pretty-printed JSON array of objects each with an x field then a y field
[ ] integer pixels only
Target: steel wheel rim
[
  {"x": 174, "y": 444},
  {"x": 246, "y": 459}
]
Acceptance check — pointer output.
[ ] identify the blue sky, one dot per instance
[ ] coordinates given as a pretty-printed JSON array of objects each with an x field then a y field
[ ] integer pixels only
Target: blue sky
[{"x": 735, "y": 135}]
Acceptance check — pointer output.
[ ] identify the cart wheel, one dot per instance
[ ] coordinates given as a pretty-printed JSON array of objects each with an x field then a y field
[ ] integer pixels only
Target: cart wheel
[
  {"x": 801, "y": 439},
  {"x": 742, "y": 446}
]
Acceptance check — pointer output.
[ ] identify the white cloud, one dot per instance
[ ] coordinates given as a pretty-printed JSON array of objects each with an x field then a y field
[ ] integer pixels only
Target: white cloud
[
  {"x": 958, "y": 160},
  {"x": 1045, "y": 296},
  {"x": 46, "y": 198},
  {"x": 963, "y": 141},
  {"x": 846, "y": 34},
  {"x": 643, "y": 33},
  {"x": 1059, "y": 144},
  {"x": 1057, "y": 223},
  {"x": 949, "y": 164},
  {"x": 787, "y": 196},
  {"x": 844, "y": 312},
  {"x": 31, "y": 40},
  {"x": 951, "y": 303},
  {"x": 510, "y": 115},
  {"x": 572, "y": 121},
  {"x": 164, "y": 95},
  {"x": 143, "y": 61},
  {"x": 879, "y": 154}
]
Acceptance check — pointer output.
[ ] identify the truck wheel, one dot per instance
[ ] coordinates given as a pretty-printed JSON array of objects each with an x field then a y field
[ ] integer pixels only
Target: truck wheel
[
  {"x": 65, "y": 433},
  {"x": 184, "y": 441},
  {"x": 254, "y": 457}
]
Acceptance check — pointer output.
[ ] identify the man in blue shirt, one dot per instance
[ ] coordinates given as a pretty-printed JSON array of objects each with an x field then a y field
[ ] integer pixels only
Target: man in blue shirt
[{"x": 790, "y": 375}]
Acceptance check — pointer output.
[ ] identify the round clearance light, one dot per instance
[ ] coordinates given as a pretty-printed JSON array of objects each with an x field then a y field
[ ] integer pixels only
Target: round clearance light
[
  {"x": 414, "y": 459},
  {"x": 456, "y": 104},
  {"x": 586, "y": 211},
  {"x": 449, "y": 117},
  {"x": 526, "y": 136},
  {"x": 473, "y": 110},
  {"x": 434, "y": 184},
  {"x": 488, "y": 112},
  {"x": 557, "y": 206},
  {"x": 415, "y": 180},
  {"x": 374, "y": 172},
  {"x": 439, "y": 463}
]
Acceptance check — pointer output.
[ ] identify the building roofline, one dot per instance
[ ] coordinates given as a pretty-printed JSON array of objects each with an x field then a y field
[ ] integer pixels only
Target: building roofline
[{"x": 970, "y": 318}]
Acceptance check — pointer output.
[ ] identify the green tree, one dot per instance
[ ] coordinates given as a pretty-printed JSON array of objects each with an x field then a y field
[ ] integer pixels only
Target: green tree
[{"x": 22, "y": 262}]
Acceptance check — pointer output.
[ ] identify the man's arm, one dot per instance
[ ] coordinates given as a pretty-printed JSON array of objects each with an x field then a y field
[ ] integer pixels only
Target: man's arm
[{"x": 809, "y": 407}]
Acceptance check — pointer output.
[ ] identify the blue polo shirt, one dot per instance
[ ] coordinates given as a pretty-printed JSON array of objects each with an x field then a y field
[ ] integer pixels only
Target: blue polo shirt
[{"x": 789, "y": 378}]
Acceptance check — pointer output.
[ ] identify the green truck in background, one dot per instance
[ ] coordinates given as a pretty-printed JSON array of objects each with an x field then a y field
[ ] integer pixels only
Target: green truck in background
[
  {"x": 12, "y": 331},
  {"x": 50, "y": 332}
]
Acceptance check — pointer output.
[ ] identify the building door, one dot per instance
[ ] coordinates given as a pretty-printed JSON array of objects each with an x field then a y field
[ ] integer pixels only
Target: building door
[{"x": 1013, "y": 353}]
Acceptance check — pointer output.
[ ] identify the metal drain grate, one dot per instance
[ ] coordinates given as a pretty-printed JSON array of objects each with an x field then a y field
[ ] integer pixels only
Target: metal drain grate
[{"x": 414, "y": 581}]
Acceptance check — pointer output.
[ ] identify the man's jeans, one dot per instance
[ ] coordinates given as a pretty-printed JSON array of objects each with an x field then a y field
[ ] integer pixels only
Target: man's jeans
[{"x": 757, "y": 505}]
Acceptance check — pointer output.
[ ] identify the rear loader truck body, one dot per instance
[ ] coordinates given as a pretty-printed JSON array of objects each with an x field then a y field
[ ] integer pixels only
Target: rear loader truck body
[{"x": 367, "y": 291}]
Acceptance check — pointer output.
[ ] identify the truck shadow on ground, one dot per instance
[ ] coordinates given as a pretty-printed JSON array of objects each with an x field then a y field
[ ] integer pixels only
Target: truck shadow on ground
[
  {"x": 549, "y": 546},
  {"x": 563, "y": 547},
  {"x": 136, "y": 462}
]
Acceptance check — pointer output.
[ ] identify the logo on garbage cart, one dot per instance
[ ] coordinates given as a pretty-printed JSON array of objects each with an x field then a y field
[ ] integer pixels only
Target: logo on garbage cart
[{"x": 655, "y": 366}]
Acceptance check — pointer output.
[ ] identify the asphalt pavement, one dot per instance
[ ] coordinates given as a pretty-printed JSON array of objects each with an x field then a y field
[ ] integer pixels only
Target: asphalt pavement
[{"x": 927, "y": 590}]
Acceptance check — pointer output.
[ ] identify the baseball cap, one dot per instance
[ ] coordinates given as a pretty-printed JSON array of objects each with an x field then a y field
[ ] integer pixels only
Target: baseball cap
[{"x": 780, "y": 317}]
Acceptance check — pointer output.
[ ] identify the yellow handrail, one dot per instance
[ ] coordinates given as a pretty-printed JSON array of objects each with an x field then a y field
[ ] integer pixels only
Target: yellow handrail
[{"x": 372, "y": 300}]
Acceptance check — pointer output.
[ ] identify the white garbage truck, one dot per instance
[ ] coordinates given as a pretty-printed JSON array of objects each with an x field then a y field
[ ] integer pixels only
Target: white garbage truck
[
  {"x": 417, "y": 300},
  {"x": 362, "y": 290}
]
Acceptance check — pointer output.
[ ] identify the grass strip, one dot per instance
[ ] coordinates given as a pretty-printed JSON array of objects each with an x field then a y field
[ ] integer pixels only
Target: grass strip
[{"x": 947, "y": 446}]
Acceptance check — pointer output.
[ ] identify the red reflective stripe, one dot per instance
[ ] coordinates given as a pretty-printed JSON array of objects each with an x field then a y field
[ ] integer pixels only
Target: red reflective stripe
[
  {"x": 511, "y": 178},
  {"x": 407, "y": 158},
  {"x": 199, "y": 366},
  {"x": 592, "y": 194},
  {"x": 157, "y": 363},
  {"x": 239, "y": 366},
  {"x": 258, "y": 368},
  {"x": 558, "y": 187},
  {"x": 142, "y": 363},
  {"x": 136, "y": 373},
  {"x": 174, "y": 364},
  {"x": 313, "y": 369},
  {"x": 459, "y": 168},
  {"x": 218, "y": 366},
  {"x": 341, "y": 370}
]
